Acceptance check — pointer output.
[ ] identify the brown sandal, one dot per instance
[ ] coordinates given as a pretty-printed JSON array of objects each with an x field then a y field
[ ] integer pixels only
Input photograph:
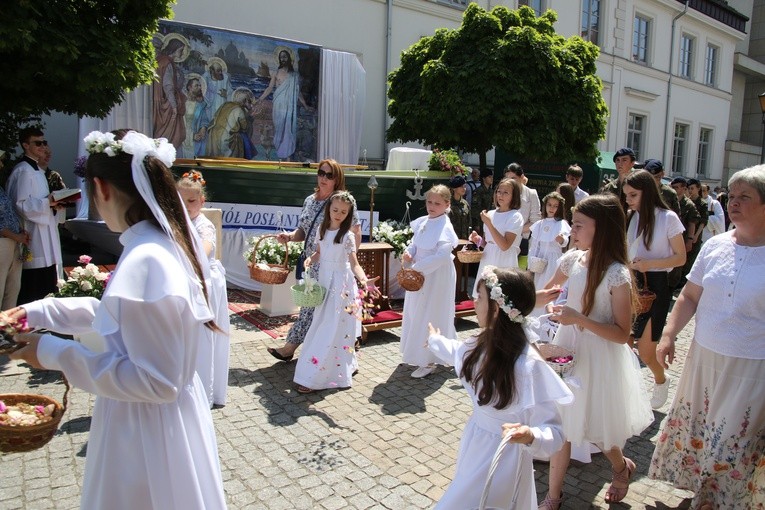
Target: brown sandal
[
  {"x": 304, "y": 390},
  {"x": 551, "y": 503},
  {"x": 616, "y": 493}
]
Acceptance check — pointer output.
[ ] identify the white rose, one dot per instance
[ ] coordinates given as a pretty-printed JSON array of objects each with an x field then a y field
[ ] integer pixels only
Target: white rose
[
  {"x": 60, "y": 284},
  {"x": 86, "y": 285}
]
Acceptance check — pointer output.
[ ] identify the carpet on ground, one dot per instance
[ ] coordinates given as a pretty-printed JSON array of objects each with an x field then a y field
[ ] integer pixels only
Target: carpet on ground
[{"x": 246, "y": 304}]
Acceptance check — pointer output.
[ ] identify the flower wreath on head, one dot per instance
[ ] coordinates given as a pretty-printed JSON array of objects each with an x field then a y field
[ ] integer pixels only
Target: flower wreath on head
[
  {"x": 97, "y": 142},
  {"x": 194, "y": 176},
  {"x": 494, "y": 289},
  {"x": 345, "y": 196}
]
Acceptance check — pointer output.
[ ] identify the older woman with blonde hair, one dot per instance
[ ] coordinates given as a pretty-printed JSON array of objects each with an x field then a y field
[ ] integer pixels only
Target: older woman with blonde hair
[
  {"x": 330, "y": 178},
  {"x": 713, "y": 439}
]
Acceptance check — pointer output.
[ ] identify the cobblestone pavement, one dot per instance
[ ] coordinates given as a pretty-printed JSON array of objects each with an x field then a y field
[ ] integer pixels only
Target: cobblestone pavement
[{"x": 390, "y": 442}]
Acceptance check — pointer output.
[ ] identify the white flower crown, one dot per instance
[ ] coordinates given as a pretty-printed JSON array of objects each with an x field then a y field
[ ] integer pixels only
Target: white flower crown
[
  {"x": 344, "y": 195},
  {"x": 136, "y": 144},
  {"x": 491, "y": 281}
]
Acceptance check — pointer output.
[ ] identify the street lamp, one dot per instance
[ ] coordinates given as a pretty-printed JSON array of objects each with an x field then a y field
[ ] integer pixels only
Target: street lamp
[
  {"x": 372, "y": 185},
  {"x": 762, "y": 109}
]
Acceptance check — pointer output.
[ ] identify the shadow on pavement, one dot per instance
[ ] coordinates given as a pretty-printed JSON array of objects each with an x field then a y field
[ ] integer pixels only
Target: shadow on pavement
[{"x": 401, "y": 394}]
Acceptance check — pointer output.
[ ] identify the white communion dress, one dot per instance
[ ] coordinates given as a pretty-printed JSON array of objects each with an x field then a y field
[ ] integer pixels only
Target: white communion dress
[
  {"x": 504, "y": 222},
  {"x": 152, "y": 442},
  {"x": 431, "y": 248},
  {"x": 544, "y": 246},
  {"x": 539, "y": 393},
  {"x": 328, "y": 357},
  {"x": 611, "y": 405}
]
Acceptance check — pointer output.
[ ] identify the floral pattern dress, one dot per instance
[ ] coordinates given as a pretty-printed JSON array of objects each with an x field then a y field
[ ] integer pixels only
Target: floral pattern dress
[{"x": 311, "y": 207}]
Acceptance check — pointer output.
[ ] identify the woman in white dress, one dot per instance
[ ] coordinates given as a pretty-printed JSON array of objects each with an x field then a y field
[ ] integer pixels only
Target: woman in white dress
[
  {"x": 328, "y": 358},
  {"x": 549, "y": 236},
  {"x": 152, "y": 441},
  {"x": 502, "y": 227},
  {"x": 656, "y": 246},
  {"x": 430, "y": 253},
  {"x": 214, "y": 357},
  {"x": 713, "y": 438},
  {"x": 610, "y": 405},
  {"x": 511, "y": 386}
]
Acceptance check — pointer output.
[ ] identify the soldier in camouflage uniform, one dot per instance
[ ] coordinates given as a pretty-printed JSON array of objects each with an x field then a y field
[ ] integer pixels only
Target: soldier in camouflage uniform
[
  {"x": 656, "y": 168},
  {"x": 483, "y": 200},
  {"x": 694, "y": 193},
  {"x": 459, "y": 210},
  {"x": 690, "y": 218}
]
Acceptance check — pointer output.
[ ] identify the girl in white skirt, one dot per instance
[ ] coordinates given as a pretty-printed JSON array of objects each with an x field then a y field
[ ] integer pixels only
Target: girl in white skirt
[
  {"x": 610, "y": 404},
  {"x": 549, "y": 236},
  {"x": 511, "y": 386},
  {"x": 213, "y": 359},
  {"x": 328, "y": 358}
]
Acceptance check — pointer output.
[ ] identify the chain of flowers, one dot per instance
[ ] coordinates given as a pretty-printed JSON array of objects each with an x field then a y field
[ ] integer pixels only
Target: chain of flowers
[
  {"x": 491, "y": 281},
  {"x": 194, "y": 176},
  {"x": 97, "y": 142},
  {"x": 345, "y": 196}
]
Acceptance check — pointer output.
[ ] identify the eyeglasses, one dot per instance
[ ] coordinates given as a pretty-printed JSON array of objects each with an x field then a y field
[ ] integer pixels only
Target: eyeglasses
[
  {"x": 39, "y": 143},
  {"x": 328, "y": 175}
]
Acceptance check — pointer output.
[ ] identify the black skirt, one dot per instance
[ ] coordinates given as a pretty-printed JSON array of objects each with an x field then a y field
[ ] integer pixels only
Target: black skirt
[{"x": 657, "y": 283}]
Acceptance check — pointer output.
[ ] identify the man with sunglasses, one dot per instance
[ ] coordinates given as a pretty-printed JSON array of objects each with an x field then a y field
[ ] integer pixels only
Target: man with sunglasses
[{"x": 28, "y": 189}]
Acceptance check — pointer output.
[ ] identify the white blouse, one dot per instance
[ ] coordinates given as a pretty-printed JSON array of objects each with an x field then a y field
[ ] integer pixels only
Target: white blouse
[
  {"x": 730, "y": 317},
  {"x": 666, "y": 226}
]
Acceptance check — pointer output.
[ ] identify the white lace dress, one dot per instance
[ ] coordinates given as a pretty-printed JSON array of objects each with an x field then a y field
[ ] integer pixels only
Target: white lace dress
[
  {"x": 328, "y": 358},
  {"x": 610, "y": 404}
]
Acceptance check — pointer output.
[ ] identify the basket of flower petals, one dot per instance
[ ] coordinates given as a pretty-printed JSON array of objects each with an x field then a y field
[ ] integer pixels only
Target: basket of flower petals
[
  {"x": 28, "y": 421},
  {"x": 469, "y": 254},
  {"x": 559, "y": 358},
  {"x": 308, "y": 292}
]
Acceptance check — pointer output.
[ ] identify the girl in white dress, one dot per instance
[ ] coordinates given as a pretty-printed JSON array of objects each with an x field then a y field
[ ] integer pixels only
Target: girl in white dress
[
  {"x": 549, "y": 236},
  {"x": 213, "y": 357},
  {"x": 430, "y": 253},
  {"x": 656, "y": 246},
  {"x": 511, "y": 387},
  {"x": 152, "y": 441},
  {"x": 328, "y": 358},
  {"x": 502, "y": 227},
  {"x": 610, "y": 405}
]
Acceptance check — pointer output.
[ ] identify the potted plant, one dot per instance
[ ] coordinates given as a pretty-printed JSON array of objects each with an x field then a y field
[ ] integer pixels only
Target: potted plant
[{"x": 446, "y": 161}]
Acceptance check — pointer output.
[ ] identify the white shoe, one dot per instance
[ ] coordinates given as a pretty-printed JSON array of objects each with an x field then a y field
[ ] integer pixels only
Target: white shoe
[
  {"x": 423, "y": 371},
  {"x": 660, "y": 392}
]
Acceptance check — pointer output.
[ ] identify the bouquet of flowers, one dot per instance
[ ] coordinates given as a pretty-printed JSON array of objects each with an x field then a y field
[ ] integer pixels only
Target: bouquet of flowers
[
  {"x": 446, "y": 161},
  {"x": 395, "y": 233},
  {"x": 271, "y": 251},
  {"x": 83, "y": 281}
]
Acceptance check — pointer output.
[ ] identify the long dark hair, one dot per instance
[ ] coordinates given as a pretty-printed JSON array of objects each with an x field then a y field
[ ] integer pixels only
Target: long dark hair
[
  {"x": 609, "y": 244},
  {"x": 650, "y": 200},
  {"x": 116, "y": 170},
  {"x": 345, "y": 225},
  {"x": 559, "y": 212},
  {"x": 490, "y": 365},
  {"x": 567, "y": 192}
]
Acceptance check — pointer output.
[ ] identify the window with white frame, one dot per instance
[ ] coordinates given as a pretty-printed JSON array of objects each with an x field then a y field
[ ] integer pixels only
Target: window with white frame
[
  {"x": 680, "y": 148},
  {"x": 462, "y": 4},
  {"x": 590, "y": 20},
  {"x": 710, "y": 65},
  {"x": 537, "y": 5},
  {"x": 640, "y": 29},
  {"x": 685, "y": 65},
  {"x": 635, "y": 133},
  {"x": 705, "y": 145}
]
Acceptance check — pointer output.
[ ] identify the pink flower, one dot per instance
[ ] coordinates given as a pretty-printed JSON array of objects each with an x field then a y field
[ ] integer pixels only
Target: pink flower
[
  {"x": 39, "y": 409},
  {"x": 736, "y": 474},
  {"x": 3, "y": 407},
  {"x": 84, "y": 259},
  {"x": 315, "y": 360}
]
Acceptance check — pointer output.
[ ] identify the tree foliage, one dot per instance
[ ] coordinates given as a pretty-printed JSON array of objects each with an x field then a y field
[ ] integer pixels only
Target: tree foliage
[
  {"x": 74, "y": 56},
  {"x": 503, "y": 78}
]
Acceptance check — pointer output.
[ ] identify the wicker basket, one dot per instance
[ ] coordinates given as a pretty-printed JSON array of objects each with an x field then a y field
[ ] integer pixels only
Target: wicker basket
[
  {"x": 25, "y": 439},
  {"x": 469, "y": 256},
  {"x": 409, "y": 279},
  {"x": 276, "y": 273},
  {"x": 549, "y": 351},
  {"x": 313, "y": 298},
  {"x": 645, "y": 298},
  {"x": 536, "y": 264}
]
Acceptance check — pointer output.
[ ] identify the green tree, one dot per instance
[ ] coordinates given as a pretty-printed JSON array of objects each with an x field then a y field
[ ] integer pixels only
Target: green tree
[
  {"x": 503, "y": 78},
  {"x": 73, "y": 56}
]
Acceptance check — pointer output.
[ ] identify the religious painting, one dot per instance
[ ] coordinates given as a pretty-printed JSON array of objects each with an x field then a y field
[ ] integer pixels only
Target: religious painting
[{"x": 232, "y": 94}]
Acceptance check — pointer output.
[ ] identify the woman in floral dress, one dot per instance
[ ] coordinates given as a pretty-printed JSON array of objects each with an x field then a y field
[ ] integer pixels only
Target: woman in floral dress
[
  {"x": 330, "y": 178},
  {"x": 713, "y": 439}
]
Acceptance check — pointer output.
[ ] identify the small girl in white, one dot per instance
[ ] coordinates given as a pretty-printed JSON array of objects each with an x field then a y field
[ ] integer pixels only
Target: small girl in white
[
  {"x": 511, "y": 387},
  {"x": 328, "y": 358},
  {"x": 430, "y": 253},
  {"x": 213, "y": 357},
  {"x": 502, "y": 228},
  {"x": 549, "y": 236}
]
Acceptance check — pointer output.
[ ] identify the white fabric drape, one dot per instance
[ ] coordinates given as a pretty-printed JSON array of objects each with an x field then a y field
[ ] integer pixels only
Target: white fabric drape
[
  {"x": 134, "y": 113},
  {"x": 341, "y": 103}
]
